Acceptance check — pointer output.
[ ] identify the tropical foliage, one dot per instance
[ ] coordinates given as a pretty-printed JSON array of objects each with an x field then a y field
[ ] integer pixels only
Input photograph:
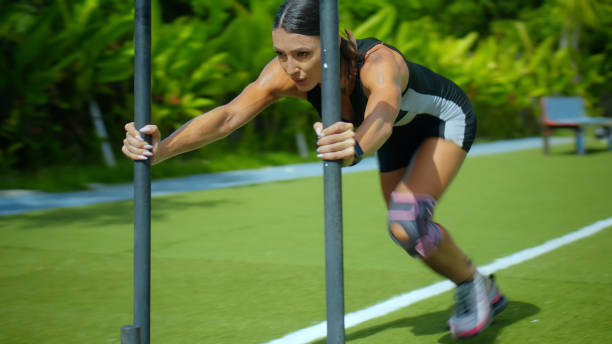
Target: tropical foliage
[{"x": 57, "y": 56}]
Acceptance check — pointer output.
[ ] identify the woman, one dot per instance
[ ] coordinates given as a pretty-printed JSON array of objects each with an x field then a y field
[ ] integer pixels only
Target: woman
[{"x": 420, "y": 124}]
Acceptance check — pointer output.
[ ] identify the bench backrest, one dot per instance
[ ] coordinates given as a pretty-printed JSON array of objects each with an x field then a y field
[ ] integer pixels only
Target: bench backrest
[{"x": 556, "y": 108}]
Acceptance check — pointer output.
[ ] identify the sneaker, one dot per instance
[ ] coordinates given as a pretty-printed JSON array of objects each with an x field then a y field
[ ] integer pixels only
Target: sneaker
[
  {"x": 477, "y": 302},
  {"x": 496, "y": 299}
]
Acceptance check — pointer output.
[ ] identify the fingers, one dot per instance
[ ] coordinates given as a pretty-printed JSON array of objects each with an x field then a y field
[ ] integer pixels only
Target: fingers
[
  {"x": 336, "y": 133},
  {"x": 149, "y": 129},
  {"x": 336, "y": 141},
  {"x": 338, "y": 152},
  {"x": 332, "y": 139},
  {"x": 135, "y": 147},
  {"x": 318, "y": 128},
  {"x": 132, "y": 153},
  {"x": 335, "y": 128}
]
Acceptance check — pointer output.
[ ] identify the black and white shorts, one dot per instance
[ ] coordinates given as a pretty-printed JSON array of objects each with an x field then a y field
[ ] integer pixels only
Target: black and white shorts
[{"x": 406, "y": 139}]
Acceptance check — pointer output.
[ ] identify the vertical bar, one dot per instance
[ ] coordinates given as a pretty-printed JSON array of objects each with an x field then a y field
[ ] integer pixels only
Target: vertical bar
[
  {"x": 142, "y": 170},
  {"x": 330, "y": 90},
  {"x": 130, "y": 334},
  {"x": 545, "y": 135},
  {"x": 580, "y": 148}
]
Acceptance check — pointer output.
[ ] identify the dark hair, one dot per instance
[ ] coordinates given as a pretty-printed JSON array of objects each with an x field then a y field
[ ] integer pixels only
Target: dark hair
[
  {"x": 299, "y": 16},
  {"x": 302, "y": 17}
]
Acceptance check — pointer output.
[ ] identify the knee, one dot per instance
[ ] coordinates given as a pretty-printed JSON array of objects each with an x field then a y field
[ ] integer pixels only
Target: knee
[{"x": 411, "y": 224}]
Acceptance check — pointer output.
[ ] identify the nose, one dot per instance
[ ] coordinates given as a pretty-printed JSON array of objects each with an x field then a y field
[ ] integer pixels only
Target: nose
[{"x": 292, "y": 67}]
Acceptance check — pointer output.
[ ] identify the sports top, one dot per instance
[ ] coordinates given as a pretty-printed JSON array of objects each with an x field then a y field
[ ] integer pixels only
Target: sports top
[{"x": 426, "y": 93}]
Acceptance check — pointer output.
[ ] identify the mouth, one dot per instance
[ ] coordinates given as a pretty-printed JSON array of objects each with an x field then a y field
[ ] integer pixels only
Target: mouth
[{"x": 300, "y": 82}]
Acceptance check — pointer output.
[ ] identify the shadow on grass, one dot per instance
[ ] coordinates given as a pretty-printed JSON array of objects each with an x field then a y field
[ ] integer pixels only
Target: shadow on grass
[
  {"x": 105, "y": 214},
  {"x": 515, "y": 312},
  {"x": 435, "y": 323}
]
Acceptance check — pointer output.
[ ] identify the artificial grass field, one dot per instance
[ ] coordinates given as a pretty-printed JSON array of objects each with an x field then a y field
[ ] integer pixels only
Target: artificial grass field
[{"x": 246, "y": 264}]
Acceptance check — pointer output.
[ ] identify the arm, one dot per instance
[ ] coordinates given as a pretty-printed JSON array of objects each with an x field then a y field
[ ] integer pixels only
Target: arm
[
  {"x": 384, "y": 75},
  {"x": 216, "y": 124}
]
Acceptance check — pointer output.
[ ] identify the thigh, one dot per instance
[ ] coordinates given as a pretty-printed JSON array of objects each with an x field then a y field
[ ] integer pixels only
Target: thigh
[
  {"x": 435, "y": 165},
  {"x": 399, "y": 149},
  {"x": 395, "y": 156},
  {"x": 390, "y": 180}
]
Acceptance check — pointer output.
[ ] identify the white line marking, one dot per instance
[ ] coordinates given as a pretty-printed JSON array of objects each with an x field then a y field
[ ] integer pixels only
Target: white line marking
[{"x": 318, "y": 331}]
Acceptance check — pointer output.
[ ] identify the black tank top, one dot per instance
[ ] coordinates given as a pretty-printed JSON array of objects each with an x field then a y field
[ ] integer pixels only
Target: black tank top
[{"x": 426, "y": 92}]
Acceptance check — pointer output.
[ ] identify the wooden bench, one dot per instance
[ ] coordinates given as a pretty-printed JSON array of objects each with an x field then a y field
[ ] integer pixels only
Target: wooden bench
[{"x": 569, "y": 112}]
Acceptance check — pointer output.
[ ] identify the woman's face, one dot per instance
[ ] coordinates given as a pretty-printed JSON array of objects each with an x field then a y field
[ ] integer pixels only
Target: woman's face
[{"x": 300, "y": 57}]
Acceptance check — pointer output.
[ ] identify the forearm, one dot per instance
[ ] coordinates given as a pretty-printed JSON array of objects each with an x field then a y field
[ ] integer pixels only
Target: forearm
[
  {"x": 198, "y": 132},
  {"x": 376, "y": 127}
]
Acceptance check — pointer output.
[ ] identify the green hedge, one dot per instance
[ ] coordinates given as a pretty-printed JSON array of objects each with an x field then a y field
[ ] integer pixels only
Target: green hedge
[{"x": 58, "y": 56}]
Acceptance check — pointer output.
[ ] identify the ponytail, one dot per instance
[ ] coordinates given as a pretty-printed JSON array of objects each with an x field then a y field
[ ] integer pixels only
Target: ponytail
[{"x": 350, "y": 57}]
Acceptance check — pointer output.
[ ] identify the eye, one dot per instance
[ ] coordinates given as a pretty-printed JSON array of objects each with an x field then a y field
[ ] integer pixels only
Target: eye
[
  {"x": 303, "y": 53},
  {"x": 279, "y": 53}
]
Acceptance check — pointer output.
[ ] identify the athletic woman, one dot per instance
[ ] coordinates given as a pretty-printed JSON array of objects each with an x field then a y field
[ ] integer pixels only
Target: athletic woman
[{"x": 420, "y": 124}]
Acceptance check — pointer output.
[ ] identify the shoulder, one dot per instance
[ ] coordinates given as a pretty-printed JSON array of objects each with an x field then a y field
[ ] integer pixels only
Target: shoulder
[
  {"x": 379, "y": 54},
  {"x": 276, "y": 82},
  {"x": 383, "y": 65}
]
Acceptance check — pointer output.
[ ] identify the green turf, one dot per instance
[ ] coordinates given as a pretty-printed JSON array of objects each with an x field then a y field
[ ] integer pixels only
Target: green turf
[
  {"x": 552, "y": 299},
  {"x": 245, "y": 264}
]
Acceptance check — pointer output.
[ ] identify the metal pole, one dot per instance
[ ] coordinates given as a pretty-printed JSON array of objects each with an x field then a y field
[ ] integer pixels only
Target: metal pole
[
  {"x": 130, "y": 334},
  {"x": 332, "y": 174},
  {"x": 139, "y": 333}
]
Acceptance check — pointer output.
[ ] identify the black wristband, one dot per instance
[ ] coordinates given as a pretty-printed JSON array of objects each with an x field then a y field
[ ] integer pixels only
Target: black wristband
[{"x": 358, "y": 154}]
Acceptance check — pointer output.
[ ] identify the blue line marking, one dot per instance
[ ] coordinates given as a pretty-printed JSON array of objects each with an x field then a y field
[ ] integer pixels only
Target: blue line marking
[{"x": 21, "y": 203}]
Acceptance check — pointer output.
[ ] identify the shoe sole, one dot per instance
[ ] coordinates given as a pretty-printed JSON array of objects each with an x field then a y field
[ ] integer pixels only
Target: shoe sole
[
  {"x": 474, "y": 331},
  {"x": 497, "y": 306}
]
